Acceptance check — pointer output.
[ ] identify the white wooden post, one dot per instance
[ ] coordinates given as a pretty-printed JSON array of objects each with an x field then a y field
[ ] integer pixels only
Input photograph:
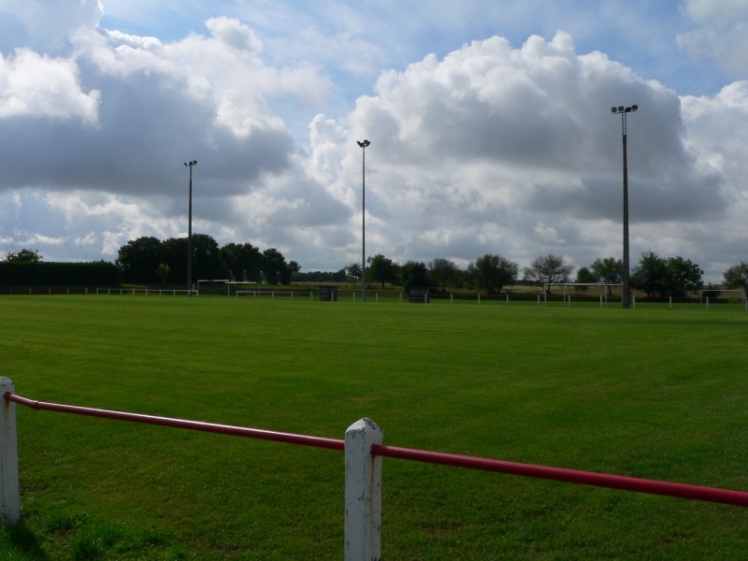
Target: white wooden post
[
  {"x": 363, "y": 492},
  {"x": 10, "y": 494}
]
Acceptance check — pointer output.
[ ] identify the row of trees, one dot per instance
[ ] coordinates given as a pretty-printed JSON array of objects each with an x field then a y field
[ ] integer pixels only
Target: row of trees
[
  {"x": 655, "y": 275},
  {"x": 489, "y": 273},
  {"x": 148, "y": 260}
]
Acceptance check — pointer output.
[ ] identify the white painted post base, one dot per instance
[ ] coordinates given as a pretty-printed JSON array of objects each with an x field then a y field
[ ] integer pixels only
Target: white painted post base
[
  {"x": 10, "y": 494},
  {"x": 363, "y": 492}
]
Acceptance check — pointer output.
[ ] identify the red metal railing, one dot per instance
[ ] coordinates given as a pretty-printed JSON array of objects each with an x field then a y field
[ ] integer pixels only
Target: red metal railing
[
  {"x": 289, "y": 438},
  {"x": 685, "y": 491},
  {"x": 651, "y": 486}
]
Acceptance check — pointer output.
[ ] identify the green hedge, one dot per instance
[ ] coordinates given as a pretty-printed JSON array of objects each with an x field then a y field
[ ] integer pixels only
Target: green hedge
[{"x": 99, "y": 273}]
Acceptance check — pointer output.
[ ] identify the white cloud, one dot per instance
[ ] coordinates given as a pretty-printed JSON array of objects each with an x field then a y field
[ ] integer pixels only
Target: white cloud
[
  {"x": 488, "y": 147},
  {"x": 723, "y": 34},
  {"x": 34, "y": 85},
  {"x": 45, "y": 26},
  {"x": 519, "y": 143}
]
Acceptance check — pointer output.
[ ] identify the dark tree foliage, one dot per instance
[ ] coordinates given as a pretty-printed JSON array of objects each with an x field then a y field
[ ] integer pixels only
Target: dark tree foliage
[
  {"x": 608, "y": 270},
  {"x": 649, "y": 275},
  {"x": 493, "y": 272},
  {"x": 603, "y": 270},
  {"x": 206, "y": 259},
  {"x": 139, "y": 260},
  {"x": 674, "y": 276},
  {"x": 148, "y": 260},
  {"x": 175, "y": 256},
  {"x": 243, "y": 261},
  {"x": 274, "y": 267},
  {"x": 382, "y": 269},
  {"x": 23, "y": 256},
  {"x": 683, "y": 276},
  {"x": 584, "y": 275},
  {"x": 292, "y": 268},
  {"x": 353, "y": 271},
  {"x": 737, "y": 276},
  {"x": 444, "y": 272},
  {"x": 414, "y": 274}
]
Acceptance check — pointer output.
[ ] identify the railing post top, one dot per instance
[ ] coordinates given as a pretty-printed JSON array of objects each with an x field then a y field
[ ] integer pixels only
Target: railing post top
[
  {"x": 7, "y": 385},
  {"x": 365, "y": 426}
]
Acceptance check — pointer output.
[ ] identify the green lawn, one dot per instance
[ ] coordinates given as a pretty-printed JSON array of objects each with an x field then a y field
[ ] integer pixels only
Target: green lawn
[{"x": 651, "y": 392}]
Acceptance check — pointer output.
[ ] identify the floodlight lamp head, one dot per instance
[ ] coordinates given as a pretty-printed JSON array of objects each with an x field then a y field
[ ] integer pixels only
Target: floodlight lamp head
[
  {"x": 621, "y": 108},
  {"x": 613, "y": 110},
  {"x": 363, "y": 144},
  {"x": 634, "y": 107}
]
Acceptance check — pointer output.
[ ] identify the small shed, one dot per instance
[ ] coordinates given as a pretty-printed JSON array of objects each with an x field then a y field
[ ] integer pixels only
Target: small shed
[
  {"x": 328, "y": 293},
  {"x": 419, "y": 296}
]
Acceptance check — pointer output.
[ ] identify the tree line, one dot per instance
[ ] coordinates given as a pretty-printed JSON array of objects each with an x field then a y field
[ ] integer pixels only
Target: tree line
[
  {"x": 655, "y": 275},
  {"x": 150, "y": 261}
]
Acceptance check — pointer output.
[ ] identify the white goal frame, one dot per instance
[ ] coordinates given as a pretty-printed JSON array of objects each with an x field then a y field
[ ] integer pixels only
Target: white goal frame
[
  {"x": 605, "y": 286},
  {"x": 227, "y": 282}
]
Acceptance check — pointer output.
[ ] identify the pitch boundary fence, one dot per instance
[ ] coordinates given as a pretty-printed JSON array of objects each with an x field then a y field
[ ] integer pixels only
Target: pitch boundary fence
[{"x": 363, "y": 450}]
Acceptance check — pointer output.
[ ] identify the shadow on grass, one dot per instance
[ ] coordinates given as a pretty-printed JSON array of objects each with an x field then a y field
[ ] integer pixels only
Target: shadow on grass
[{"x": 19, "y": 543}]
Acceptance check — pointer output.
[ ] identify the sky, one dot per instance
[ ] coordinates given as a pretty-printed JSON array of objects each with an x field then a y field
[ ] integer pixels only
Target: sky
[{"x": 489, "y": 123}]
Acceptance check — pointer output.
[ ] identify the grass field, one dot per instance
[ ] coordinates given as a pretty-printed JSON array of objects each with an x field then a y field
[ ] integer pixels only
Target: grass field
[{"x": 651, "y": 392}]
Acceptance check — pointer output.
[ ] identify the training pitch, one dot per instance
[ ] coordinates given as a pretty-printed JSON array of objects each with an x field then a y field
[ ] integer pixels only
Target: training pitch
[{"x": 651, "y": 392}]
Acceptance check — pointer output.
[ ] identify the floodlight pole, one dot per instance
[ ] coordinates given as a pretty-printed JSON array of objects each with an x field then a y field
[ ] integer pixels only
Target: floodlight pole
[
  {"x": 190, "y": 165},
  {"x": 623, "y": 111},
  {"x": 363, "y": 146}
]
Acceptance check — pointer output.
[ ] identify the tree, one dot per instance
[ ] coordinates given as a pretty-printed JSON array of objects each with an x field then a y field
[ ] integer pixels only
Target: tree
[
  {"x": 353, "y": 271},
  {"x": 674, "y": 276},
  {"x": 548, "y": 269},
  {"x": 585, "y": 276},
  {"x": 650, "y": 274},
  {"x": 291, "y": 268},
  {"x": 382, "y": 269},
  {"x": 273, "y": 265},
  {"x": 492, "y": 272},
  {"x": 443, "y": 271},
  {"x": 414, "y": 274},
  {"x": 139, "y": 260},
  {"x": 175, "y": 256},
  {"x": 737, "y": 276},
  {"x": 683, "y": 276},
  {"x": 608, "y": 270},
  {"x": 162, "y": 272},
  {"x": 23, "y": 256},
  {"x": 242, "y": 261},
  {"x": 206, "y": 259}
]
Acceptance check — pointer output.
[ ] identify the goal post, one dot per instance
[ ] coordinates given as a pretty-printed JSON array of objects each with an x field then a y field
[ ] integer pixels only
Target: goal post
[
  {"x": 213, "y": 286},
  {"x": 574, "y": 286}
]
